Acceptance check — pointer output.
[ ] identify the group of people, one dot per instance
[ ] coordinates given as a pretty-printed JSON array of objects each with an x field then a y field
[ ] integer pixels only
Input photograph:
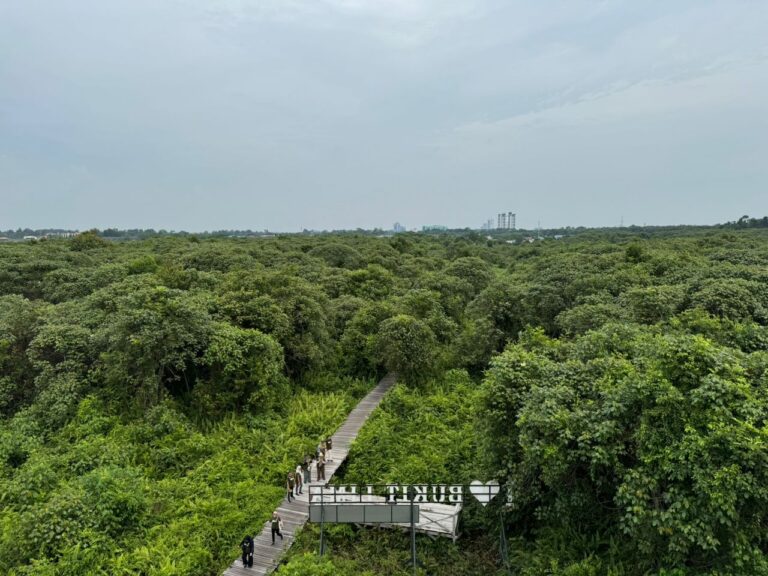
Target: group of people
[
  {"x": 302, "y": 476},
  {"x": 294, "y": 485}
]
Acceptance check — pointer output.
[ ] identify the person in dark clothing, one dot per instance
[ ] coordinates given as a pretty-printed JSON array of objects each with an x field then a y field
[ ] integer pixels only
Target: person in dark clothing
[
  {"x": 247, "y": 547},
  {"x": 277, "y": 525},
  {"x": 307, "y": 468},
  {"x": 328, "y": 446},
  {"x": 289, "y": 484}
]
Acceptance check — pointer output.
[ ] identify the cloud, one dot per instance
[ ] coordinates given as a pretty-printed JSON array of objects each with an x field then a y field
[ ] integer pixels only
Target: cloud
[
  {"x": 427, "y": 110},
  {"x": 726, "y": 85}
]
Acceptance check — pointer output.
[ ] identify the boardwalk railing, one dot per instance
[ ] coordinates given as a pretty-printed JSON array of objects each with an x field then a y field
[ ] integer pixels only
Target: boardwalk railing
[{"x": 436, "y": 516}]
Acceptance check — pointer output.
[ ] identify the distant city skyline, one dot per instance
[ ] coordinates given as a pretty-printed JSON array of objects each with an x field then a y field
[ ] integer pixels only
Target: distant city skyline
[
  {"x": 338, "y": 114},
  {"x": 397, "y": 228},
  {"x": 490, "y": 224}
]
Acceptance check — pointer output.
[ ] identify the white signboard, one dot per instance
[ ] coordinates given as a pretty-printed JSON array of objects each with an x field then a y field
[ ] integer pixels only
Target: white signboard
[{"x": 483, "y": 492}]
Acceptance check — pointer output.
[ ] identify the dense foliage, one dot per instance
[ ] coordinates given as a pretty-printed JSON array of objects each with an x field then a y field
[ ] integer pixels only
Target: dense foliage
[
  {"x": 416, "y": 434},
  {"x": 656, "y": 440},
  {"x": 153, "y": 393}
]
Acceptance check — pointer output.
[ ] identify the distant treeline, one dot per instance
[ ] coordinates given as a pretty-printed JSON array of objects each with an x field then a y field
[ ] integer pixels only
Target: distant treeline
[{"x": 143, "y": 233}]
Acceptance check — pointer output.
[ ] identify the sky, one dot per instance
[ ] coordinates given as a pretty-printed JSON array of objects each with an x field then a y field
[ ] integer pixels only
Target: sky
[{"x": 338, "y": 114}]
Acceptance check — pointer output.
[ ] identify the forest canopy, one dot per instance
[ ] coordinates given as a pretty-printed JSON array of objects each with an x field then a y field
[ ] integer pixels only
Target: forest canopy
[{"x": 154, "y": 392}]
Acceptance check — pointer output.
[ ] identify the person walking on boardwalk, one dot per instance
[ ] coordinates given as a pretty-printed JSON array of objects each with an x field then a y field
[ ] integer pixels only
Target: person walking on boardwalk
[
  {"x": 328, "y": 446},
  {"x": 289, "y": 485},
  {"x": 277, "y": 526},
  {"x": 247, "y": 547},
  {"x": 307, "y": 468},
  {"x": 299, "y": 480},
  {"x": 321, "y": 467},
  {"x": 320, "y": 450}
]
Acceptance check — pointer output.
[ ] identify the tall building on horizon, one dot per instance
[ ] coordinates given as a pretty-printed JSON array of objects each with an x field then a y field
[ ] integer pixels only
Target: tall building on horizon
[{"x": 506, "y": 221}]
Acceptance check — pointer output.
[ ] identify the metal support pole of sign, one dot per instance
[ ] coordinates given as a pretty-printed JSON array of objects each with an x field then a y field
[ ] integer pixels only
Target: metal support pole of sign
[
  {"x": 413, "y": 537},
  {"x": 322, "y": 522},
  {"x": 503, "y": 544}
]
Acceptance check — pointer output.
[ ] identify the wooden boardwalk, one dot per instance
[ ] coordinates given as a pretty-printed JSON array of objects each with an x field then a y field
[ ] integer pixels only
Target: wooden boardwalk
[{"x": 294, "y": 515}]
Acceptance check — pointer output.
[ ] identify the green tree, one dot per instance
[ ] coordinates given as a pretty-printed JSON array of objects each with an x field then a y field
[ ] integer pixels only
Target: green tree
[
  {"x": 407, "y": 346},
  {"x": 358, "y": 354},
  {"x": 18, "y": 320},
  {"x": 473, "y": 270},
  {"x": 87, "y": 241},
  {"x": 504, "y": 307},
  {"x": 593, "y": 313},
  {"x": 654, "y": 303},
  {"x": 338, "y": 255},
  {"x": 656, "y": 439},
  {"x": 245, "y": 366},
  {"x": 734, "y": 298},
  {"x": 151, "y": 342}
]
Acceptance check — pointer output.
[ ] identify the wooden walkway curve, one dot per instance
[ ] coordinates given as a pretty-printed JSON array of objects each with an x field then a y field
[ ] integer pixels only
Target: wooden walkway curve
[{"x": 294, "y": 515}]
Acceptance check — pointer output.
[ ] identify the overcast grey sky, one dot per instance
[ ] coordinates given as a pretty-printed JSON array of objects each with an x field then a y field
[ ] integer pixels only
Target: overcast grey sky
[{"x": 285, "y": 114}]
